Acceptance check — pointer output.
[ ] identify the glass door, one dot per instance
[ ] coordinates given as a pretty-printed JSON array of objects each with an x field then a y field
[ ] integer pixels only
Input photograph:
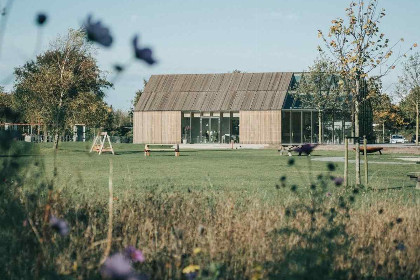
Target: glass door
[{"x": 210, "y": 130}]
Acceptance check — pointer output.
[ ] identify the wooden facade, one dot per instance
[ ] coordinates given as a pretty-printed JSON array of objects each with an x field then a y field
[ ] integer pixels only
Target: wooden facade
[
  {"x": 155, "y": 127},
  {"x": 260, "y": 127},
  {"x": 256, "y": 98}
]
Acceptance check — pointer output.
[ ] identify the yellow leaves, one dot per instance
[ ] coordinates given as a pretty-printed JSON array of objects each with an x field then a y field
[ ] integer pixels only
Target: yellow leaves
[
  {"x": 415, "y": 45},
  {"x": 393, "y": 67},
  {"x": 333, "y": 44},
  {"x": 365, "y": 26},
  {"x": 257, "y": 273},
  {"x": 319, "y": 33},
  {"x": 197, "y": 251},
  {"x": 190, "y": 269}
]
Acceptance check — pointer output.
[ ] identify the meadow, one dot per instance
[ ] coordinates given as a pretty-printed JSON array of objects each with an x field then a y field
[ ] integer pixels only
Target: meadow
[{"x": 228, "y": 214}]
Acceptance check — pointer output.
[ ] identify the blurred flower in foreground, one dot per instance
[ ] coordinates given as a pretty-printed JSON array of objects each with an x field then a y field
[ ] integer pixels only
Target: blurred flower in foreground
[
  {"x": 197, "y": 251},
  {"x": 59, "y": 225},
  {"x": 41, "y": 18},
  {"x": 134, "y": 254},
  {"x": 142, "y": 54},
  {"x": 117, "y": 266},
  {"x": 191, "y": 271},
  {"x": 338, "y": 181},
  {"x": 98, "y": 33},
  {"x": 258, "y": 273}
]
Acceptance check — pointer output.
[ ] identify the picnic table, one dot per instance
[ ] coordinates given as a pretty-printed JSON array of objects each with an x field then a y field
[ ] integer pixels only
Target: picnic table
[
  {"x": 415, "y": 176},
  {"x": 370, "y": 150},
  {"x": 298, "y": 148}
]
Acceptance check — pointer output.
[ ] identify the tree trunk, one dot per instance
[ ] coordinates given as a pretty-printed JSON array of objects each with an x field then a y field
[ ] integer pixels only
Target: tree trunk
[
  {"x": 356, "y": 131},
  {"x": 319, "y": 127},
  {"x": 56, "y": 139},
  {"x": 383, "y": 132},
  {"x": 417, "y": 123},
  {"x": 45, "y": 134}
]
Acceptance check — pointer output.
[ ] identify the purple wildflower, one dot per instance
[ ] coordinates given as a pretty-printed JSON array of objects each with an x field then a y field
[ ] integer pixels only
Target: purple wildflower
[
  {"x": 117, "y": 266},
  {"x": 59, "y": 225},
  {"x": 338, "y": 181},
  {"x": 134, "y": 254},
  {"x": 144, "y": 54},
  {"x": 96, "y": 32},
  {"x": 328, "y": 194},
  {"x": 41, "y": 18}
]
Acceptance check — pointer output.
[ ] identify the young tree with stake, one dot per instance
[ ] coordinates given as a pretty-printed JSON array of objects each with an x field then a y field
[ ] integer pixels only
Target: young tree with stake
[{"x": 358, "y": 48}]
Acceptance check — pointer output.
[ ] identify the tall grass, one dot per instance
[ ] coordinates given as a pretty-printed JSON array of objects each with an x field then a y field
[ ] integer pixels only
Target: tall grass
[{"x": 315, "y": 235}]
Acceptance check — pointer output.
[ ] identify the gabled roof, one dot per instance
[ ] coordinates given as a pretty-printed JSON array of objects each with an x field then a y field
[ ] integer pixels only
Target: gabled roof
[{"x": 215, "y": 92}]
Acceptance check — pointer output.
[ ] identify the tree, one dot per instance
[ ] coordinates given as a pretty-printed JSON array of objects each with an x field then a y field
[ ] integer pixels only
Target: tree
[
  {"x": 358, "y": 48},
  {"x": 385, "y": 113},
  {"x": 62, "y": 84},
  {"x": 409, "y": 88},
  {"x": 136, "y": 99},
  {"x": 317, "y": 89}
]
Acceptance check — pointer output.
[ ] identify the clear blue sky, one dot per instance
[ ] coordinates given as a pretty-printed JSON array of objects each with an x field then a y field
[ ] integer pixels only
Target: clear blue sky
[{"x": 197, "y": 36}]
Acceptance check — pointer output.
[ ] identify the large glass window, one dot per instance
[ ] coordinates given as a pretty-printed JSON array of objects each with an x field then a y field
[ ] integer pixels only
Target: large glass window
[
  {"x": 285, "y": 127},
  {"x": 235, "y": 127},
  {"x": 195, "y": 128},
  {"x": 307, "y": 127},
  {"x": 328, "y": 127},
  {"x": 225, "y": 128},
  {"x": 296, "y": 127},
  {"x": 186, "y": 128},
  {"x": 315, "y": 127}
]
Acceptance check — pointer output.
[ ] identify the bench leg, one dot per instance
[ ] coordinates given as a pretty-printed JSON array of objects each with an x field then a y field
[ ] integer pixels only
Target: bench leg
[
  {"x": 380, "y": 152},
  {"x": 289, "y": 153},
  {"x": 177, "y": 154}
]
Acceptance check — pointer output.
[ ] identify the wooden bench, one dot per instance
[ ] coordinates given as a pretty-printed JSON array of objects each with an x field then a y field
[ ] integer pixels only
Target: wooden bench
[
  {"x": 370, "y": 150},
  {"x": 160, "y": 148},
  {"x": 415, "y": 176}
]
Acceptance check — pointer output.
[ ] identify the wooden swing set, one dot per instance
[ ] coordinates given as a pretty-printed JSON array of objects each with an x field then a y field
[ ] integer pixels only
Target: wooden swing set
[{"x": 99, "y": 143}]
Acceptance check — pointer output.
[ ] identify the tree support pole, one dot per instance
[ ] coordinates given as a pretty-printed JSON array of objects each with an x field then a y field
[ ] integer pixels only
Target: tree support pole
[{"x": 365, "y": 159}]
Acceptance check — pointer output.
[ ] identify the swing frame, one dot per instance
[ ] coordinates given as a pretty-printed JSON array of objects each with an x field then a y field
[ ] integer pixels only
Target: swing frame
[{"x": 99, "y": 143}]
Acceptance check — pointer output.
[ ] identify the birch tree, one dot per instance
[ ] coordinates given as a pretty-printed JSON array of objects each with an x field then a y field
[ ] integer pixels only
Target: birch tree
[{"x": 53, "y": 86}]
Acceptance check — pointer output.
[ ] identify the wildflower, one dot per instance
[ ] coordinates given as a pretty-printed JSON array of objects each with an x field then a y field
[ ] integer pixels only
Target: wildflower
[
  {"x": 98, "y": 33},
  {"x": 291, "y": 161},
  {"x": 380, "y": 211},
  {"x": 328, "y": 194},
  {"x": 41, "y": 19},
  {"x": 191, "y": 271},
  {"x": 293, "y": 188},
  {"x": 399, "y": 220},
  {"x": 313, "y": 187},
  {"x": 59, "y": 225},
  {"x": 338, "y": 181},
  {"x": 134, "y": 254},
  {"x": 143, "y": 54},
  {"x": 283, "y": 178},
  {"x": 400, "y": 247},
  {"x": 117, "y": 266},
  {"x": 197, "y": 251},
  {"x": 118, "y": 68},
  {"x": 257, "y": 274},
  {"x": 331, "y": 166}
]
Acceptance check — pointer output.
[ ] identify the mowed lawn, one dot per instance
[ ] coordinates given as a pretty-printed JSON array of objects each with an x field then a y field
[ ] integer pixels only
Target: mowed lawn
[{"x": 243, "y": 173}]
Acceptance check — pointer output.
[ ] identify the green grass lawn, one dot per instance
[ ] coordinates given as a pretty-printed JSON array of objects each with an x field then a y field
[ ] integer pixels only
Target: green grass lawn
[{"x": 243, "y": 173}]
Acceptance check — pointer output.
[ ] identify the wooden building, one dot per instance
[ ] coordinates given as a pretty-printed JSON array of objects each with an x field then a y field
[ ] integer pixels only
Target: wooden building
[{"x": 248, "y": 108}]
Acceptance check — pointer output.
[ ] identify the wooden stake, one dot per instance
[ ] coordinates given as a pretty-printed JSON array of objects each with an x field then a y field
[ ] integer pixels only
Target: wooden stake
[
  {"x": 365, "y": 159},
  {"x": 346, "y": 161}
]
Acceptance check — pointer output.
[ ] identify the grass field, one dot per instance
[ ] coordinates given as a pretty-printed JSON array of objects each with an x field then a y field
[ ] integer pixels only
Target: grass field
[
  {"x": 244, "y": 173},
  {"x": 224, "y": 214}
]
